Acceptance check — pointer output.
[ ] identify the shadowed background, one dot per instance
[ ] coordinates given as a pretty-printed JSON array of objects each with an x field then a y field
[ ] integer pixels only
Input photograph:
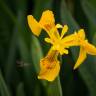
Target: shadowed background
[{"x": 21, "y": 51}]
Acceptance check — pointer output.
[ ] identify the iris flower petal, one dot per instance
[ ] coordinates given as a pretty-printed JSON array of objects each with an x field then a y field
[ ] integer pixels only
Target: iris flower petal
[
  {"x": 34, "y": 25},
  {"x": 70, "y": 40},
  {"x": 50, "y": 66},
  {"x": 64, "y": 30},
  {"x": 59, "y": 26},
  {"x": 81, "y": 34},
  {"x": 48, "y": 40},
  {"x": 47, "y": 20},
  {"x": 90, "y": 49},
  {"x": 81, "y": 58},
  {"x": 51, "y": 71}
]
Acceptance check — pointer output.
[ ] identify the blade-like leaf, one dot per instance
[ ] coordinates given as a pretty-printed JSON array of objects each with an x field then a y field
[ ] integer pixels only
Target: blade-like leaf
[
  {"x": 89, "y": 11},
  {"x": 20, "y": 90},
  {"x": 4, "y": 91},
  {"x": 54, "y": 88}
]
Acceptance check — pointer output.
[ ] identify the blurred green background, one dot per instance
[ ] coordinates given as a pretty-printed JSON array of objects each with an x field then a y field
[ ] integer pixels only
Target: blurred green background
[{"x": 20, "y": 50}]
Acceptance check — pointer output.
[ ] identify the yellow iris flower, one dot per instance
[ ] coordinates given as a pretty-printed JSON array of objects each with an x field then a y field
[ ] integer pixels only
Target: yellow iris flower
[
  {"x": 50, "y": 65},
  {"x": 85, "y": 48}
]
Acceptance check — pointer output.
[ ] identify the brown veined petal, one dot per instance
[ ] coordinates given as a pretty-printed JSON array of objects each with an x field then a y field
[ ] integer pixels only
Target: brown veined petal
[
  {"x": 34, "y": 25},
  {"x": 81, "y": 58},
  {"x": 47, "y": 20},
  {"x": 50, "y": 72},
  {"x": 50, "y": 66}
]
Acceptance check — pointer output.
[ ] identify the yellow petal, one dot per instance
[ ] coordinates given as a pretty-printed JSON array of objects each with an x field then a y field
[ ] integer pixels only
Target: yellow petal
[
  {"x": 49, "y": 66},
  {"x": 69, "y": 38},
  {"x": 59, "y": 26},
  {"x": 54, "y": 34},
  {"x": 81, "y": 58},
  {"x": 70, "y": 44},
  {"x": 90, "y": 49},
  {"x": 64, "y": 30},
  {"x": 81, "y": 33},
  {"x": 51, "y": 71},
  {"x": 48, "y": 40},
  {"x": 34, "y": 25},
  {"x": 69, "y": 41},
  {"x": 47, "y": 20},
  {"x": 64, "y": 51}
]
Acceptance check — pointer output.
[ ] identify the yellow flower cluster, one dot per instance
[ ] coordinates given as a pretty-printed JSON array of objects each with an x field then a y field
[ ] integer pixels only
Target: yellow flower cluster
[{"x": 50, "y": 65}]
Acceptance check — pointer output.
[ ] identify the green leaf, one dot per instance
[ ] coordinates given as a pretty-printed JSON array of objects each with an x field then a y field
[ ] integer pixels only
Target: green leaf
[
  {"x": 66, "y": 18},
  {"x": 89, "y": 11},
  {"x": 11, "y": 58},
  {"x": 4, "y": 91},
  {"x": 54, "y": 88},
  {"x": 89, "y": 8},
  {"x": 20, "y": 90},
  {"x": 37, "y": 53},
  {"x": 41, "y": 6},
  {"x": 7, "y": 10},
  {"x": 26, "y": 58}
]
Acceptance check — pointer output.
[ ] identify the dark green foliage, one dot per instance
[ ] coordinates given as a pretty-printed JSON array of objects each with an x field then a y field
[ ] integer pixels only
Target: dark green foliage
[{"x": 21, "y": 51}]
